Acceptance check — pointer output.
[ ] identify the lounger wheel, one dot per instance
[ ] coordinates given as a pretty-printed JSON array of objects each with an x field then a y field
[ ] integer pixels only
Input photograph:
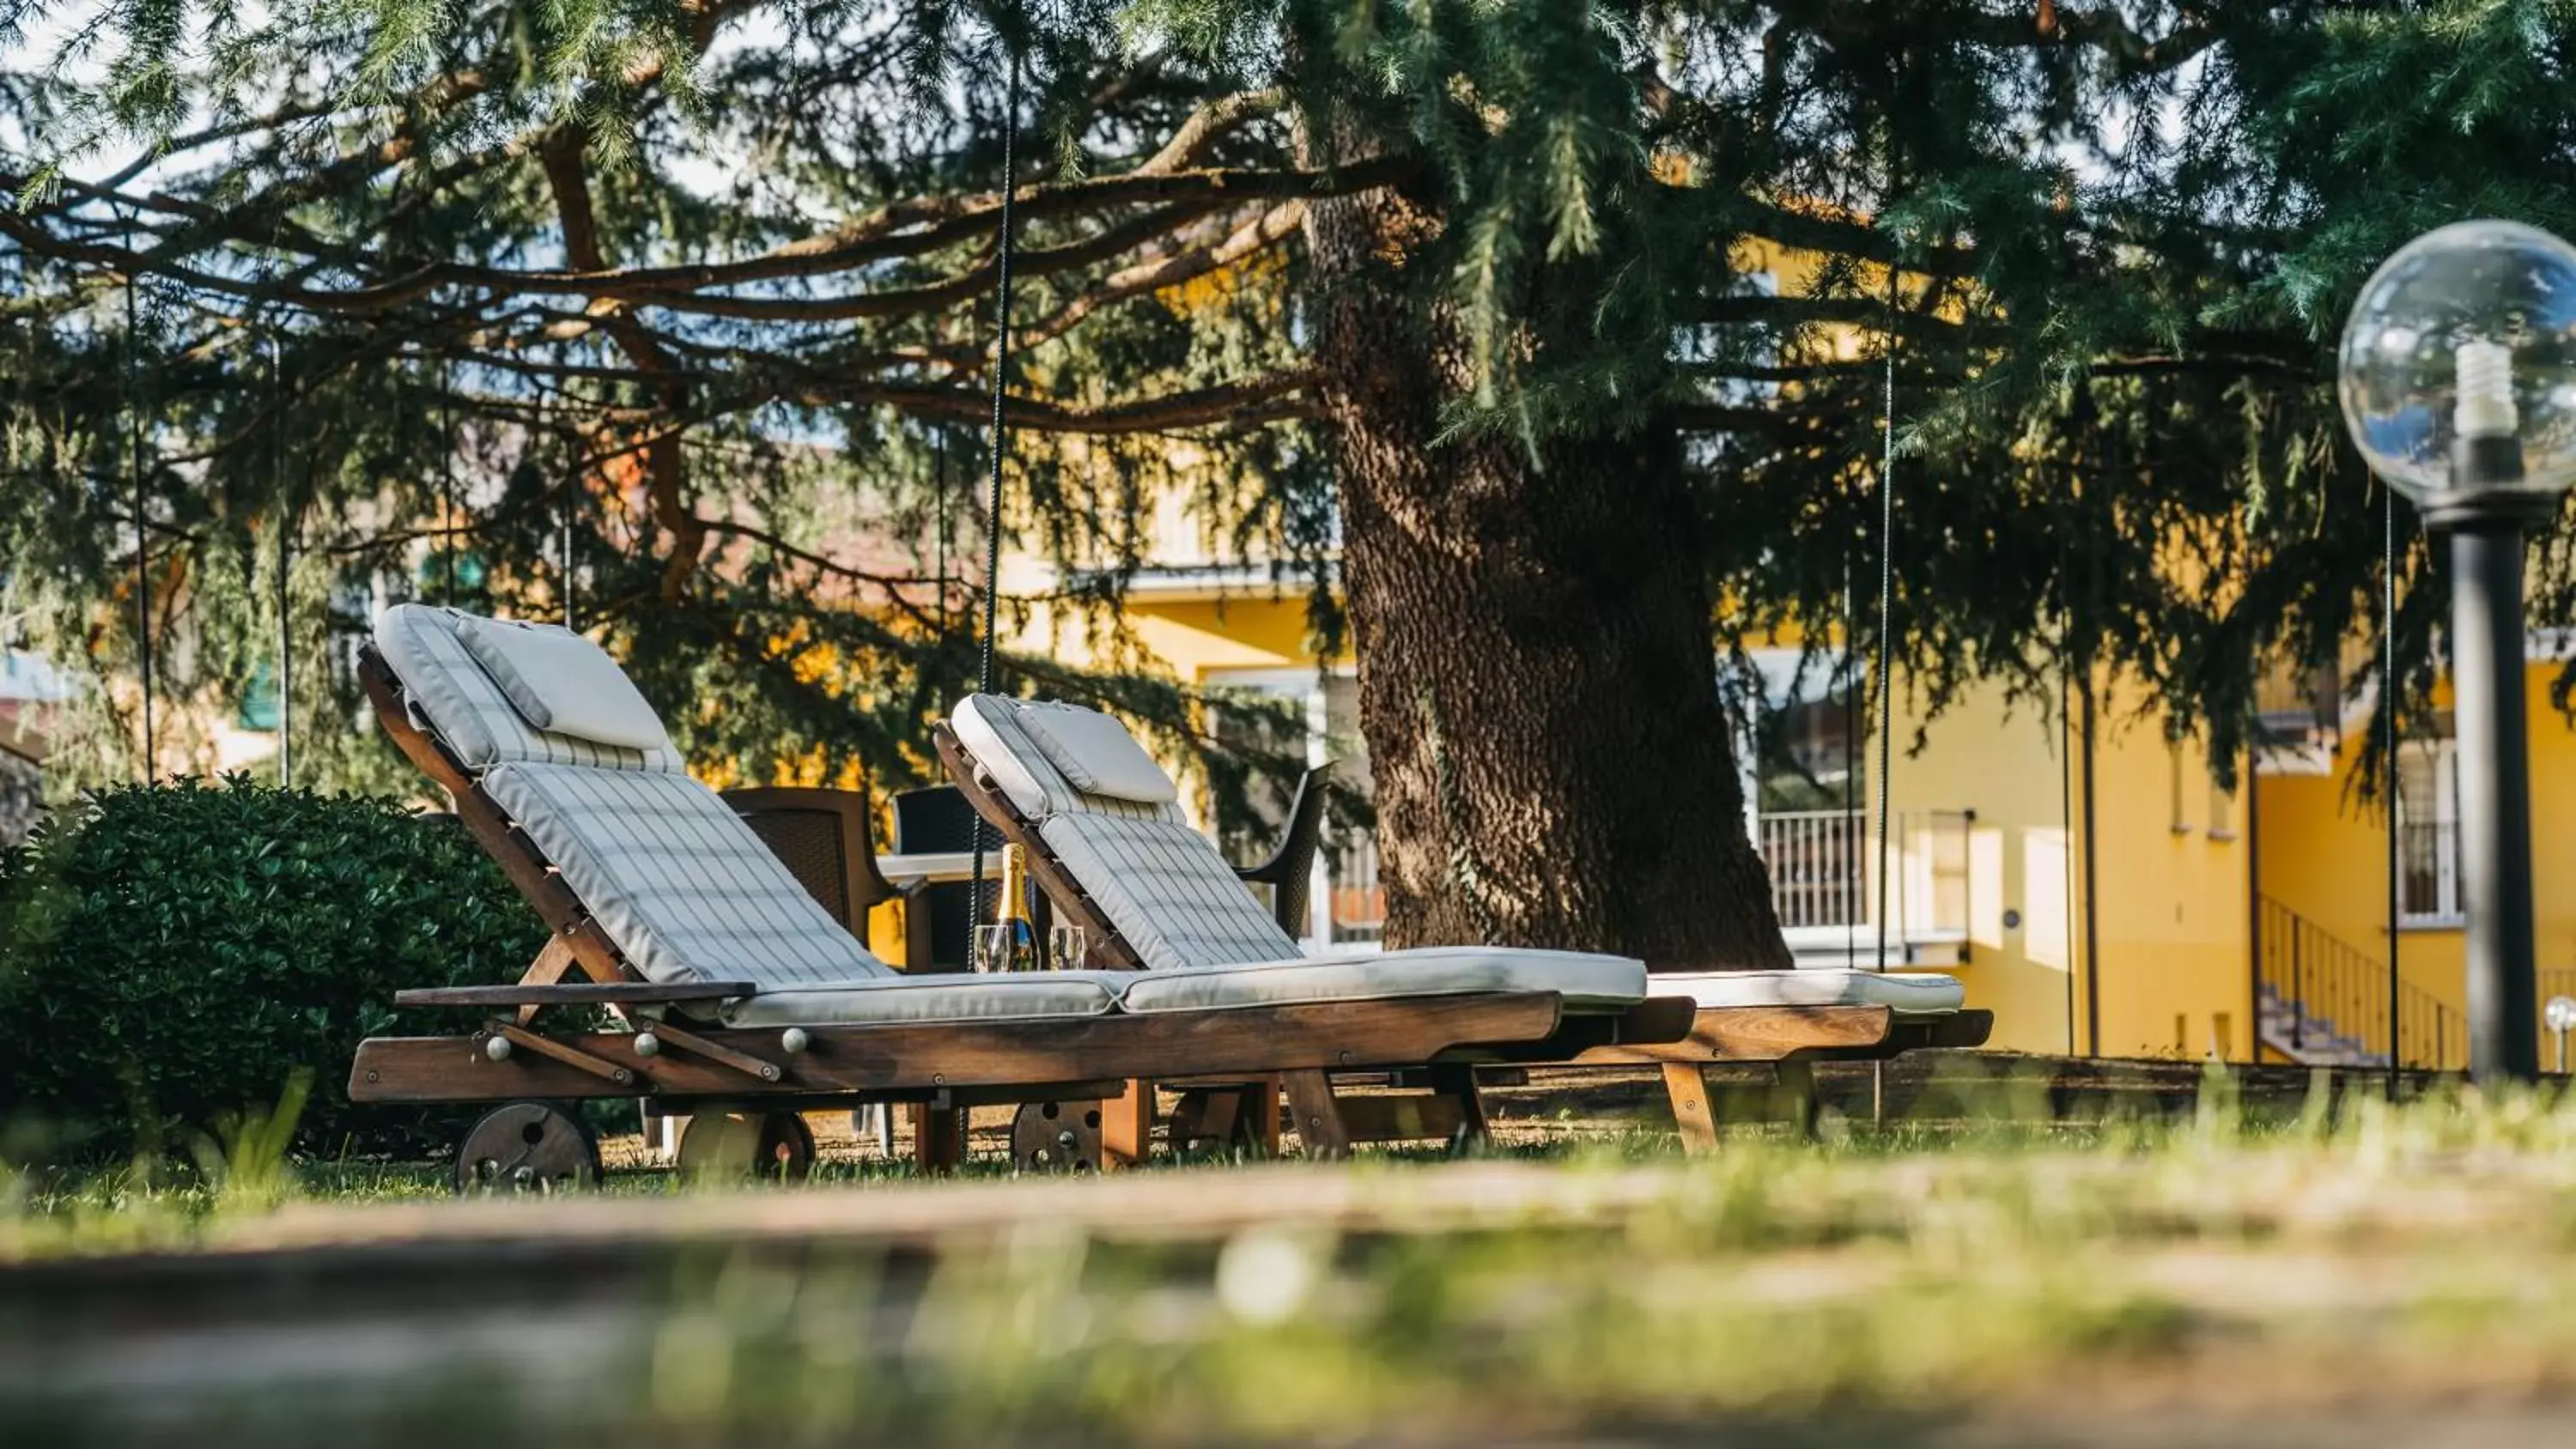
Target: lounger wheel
[
  {"x": 1056, "y": 1137},
  {"x": 527, "y": 1147},
  {"x": 772, "y": 1146}
]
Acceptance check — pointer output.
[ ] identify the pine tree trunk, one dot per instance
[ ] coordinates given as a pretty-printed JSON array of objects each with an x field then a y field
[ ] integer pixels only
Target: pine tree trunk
[{"x": 1537, "y": 689}]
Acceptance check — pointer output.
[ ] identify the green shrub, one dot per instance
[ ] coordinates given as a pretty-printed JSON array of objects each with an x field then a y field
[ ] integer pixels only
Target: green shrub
[{"x": 171, "y": 954}]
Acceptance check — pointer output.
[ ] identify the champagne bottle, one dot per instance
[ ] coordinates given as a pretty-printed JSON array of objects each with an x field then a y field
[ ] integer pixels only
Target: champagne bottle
[{"x": 1021, "y": 950}]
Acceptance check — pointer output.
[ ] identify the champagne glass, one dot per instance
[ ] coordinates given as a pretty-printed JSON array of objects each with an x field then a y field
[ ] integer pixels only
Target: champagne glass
[
  {"x": 1065, "y": 947},
  {"x": 991, "y": 948}
]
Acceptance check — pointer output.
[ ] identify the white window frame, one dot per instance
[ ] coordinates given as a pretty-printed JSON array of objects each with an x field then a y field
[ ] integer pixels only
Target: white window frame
[{"x": 2446, "y": 909}]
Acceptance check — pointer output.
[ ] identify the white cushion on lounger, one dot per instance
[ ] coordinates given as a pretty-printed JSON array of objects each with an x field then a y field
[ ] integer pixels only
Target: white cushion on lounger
[
  {"x": 991, "y": 728},
  {"x": 879, "y": 1001},
  {"x": 562, "y": 683},
  {"x": 1918, "y": 994},
  {"x": 1095, "y": 754},
  {"x": 682, "y": 887},
  {"x": 1586, "y": 981},
  {"x": 1166, "y": 890},
  {"x": 456, "y": 701}
]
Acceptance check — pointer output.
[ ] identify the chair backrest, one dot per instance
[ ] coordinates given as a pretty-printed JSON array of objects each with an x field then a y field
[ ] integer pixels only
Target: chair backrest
[
  {"x": 1161, "y": 884},
  {"x": 1290, "y": 870},
  {"x": 675, "y": 880},
  {"x": 933, "y": 820},
  {"x": 809, "y": 844},
  {"x": 825, "y": 838}
]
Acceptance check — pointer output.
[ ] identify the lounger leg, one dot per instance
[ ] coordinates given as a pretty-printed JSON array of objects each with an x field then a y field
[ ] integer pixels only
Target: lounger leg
[
  {"x": 1127, "y": 1127},
  {"x": 1798, "y": 1086},
  {"x": 1687, "y": 1084},
  {"x": 1256, "y": 1120},
  {"x": 938, "y": 1138},
  {"x": 1319, "y": 1117},
  {"x": 1458, "y": 1083}
]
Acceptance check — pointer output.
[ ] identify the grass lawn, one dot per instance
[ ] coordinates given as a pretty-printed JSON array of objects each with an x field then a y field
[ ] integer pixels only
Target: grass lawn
[{"x": 2234, "y": 1276}]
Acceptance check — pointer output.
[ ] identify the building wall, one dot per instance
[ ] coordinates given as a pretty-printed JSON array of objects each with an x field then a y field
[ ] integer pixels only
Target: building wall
[
  {"x": 2001, "y": 760},
  {"x": 2324, "y": 857},
  {"x": 2175, "y": 962}
]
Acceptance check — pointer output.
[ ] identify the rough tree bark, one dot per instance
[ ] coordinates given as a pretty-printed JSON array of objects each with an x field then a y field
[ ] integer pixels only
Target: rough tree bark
[{"x": 1553, "y": 766}]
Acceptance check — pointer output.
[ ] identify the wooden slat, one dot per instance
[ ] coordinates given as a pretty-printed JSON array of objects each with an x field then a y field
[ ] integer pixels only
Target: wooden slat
[
  {"x": 617, "y": 1075},
  {"x": 938, "y": 1138},
  {"x": 1257, "y": 1117},
  {"x": 555, "y": 961},
  {"x": 1960, "y": 1029},
  {"x": 1318, "y": 1115},
  {"x": 1758, "y": 1034},
  {"x": 1127, "y": 1127},
  {"x": 907, "y": 1057},
  {"x": 759, "y": 1069},
  {"x": 592, "y": 993},
  {"x": 1686, "y": 1083},
  {"x": 1457, "y": 1083},
  {"x": 1656, "y": 1020},
  {"x": 1407, "y": 1118},
  {"x": 1797, "y": 1090}
]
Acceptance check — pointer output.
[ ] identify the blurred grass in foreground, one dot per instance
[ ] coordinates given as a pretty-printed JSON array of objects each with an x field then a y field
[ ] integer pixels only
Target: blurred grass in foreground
[{"x": 1871, "y": 1288}]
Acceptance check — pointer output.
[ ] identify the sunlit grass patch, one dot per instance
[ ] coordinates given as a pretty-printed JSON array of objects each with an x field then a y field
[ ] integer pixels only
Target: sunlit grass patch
[{"x": 1887, "y": 1280}]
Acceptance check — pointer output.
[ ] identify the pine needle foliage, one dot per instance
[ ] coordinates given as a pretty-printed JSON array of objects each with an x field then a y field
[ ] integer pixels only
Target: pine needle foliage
[{"x": 700, "y": 274}]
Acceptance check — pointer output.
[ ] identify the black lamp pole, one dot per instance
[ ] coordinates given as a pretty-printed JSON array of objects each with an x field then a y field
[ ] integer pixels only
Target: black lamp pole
[
  {"x": 2486, "y": 518},
  {"x": 2458, "y": 335}
]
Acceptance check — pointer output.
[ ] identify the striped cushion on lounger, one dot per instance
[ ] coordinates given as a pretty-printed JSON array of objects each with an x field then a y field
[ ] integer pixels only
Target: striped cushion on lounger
[
  {"x": 1167, "y": 890},
  {"x": 672, "y": 876},
  {"x": 458, "y": 703},
  {"x": 676, "y": 879},
  {"x": 1208, "y": 944},
  {"x": 1157, "y": 880}
]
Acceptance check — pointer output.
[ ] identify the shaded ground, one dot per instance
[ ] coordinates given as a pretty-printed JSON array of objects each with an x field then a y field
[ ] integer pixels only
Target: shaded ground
[{"x": 2247, "y": 1277}]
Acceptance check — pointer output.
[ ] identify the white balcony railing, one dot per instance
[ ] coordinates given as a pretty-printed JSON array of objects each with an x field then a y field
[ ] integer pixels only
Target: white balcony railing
[{"x": 1823, "y": 867}]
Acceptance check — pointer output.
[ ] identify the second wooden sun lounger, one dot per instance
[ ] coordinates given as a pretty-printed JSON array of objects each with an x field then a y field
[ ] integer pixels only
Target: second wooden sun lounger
[{"x": 1106, "y": 841}]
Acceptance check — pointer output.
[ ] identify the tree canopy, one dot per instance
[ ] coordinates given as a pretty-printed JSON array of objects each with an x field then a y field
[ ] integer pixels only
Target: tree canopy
[{"x": 712, "y": 280}]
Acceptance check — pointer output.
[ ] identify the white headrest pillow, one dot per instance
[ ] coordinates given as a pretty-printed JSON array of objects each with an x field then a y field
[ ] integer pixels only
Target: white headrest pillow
[
  {"x": 1095, "y": 754},
  {"x": 562, "y": 683}
]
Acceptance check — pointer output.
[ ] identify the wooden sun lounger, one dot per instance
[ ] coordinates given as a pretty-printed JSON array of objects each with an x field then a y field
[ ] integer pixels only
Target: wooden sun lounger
[
  {"x": 1789, "y": 1038},
  {"x": 942, "y": 1068}
]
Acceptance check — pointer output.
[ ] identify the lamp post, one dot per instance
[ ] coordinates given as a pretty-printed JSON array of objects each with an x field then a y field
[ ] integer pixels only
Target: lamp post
[{"x": 2458, "y": 380}]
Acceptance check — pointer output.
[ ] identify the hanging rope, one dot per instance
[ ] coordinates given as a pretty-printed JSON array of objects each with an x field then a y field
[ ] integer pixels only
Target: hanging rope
[
  {"x": 2066, "y": 840},
  {"x": 447, "y": 478},
  {"x": 1886, "y": 593},
  {"x": 571, "y": 500},
  {"x": 2066, "y": 777},
  {"x": 285, "y": 560},
  {"x": 1001, "y": 426},
  {"x": 142, "y": 530},
  {"x": 939, "y": 475},
  {"x": 1854, "y": 752},
  {"x": 2388, "y": 696}
]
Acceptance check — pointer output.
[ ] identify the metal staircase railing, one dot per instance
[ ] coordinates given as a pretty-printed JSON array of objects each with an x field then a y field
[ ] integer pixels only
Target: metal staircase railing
[{"x": 2325, "y": 1000}]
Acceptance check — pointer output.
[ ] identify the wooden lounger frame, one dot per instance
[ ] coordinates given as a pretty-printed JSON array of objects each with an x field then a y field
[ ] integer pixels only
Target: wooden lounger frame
[
  {"x": 942, "y": 1068},
  {"x": 1789, "y": 1038}
]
